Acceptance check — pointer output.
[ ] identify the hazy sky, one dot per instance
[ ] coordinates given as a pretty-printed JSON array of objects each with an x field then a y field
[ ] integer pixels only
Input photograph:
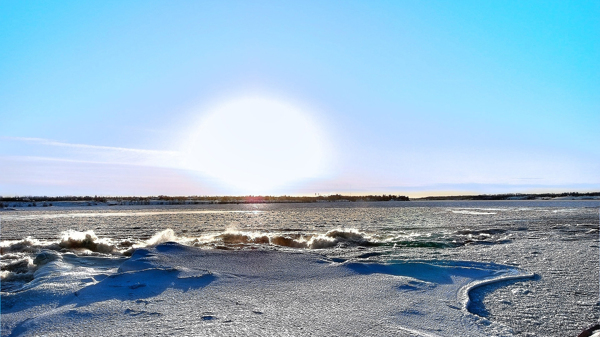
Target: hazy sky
[{"x": 275, "y": 97}]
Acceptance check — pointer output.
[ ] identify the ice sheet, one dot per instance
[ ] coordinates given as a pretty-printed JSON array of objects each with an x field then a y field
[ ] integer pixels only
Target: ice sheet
[{"x": 181, "y": 290}]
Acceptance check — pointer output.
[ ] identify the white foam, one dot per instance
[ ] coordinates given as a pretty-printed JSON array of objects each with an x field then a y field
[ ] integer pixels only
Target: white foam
[
  {"x": 85, "y": 240},
  {"x": 305, "y": 240},
  {"x": 160, "y": 237},
  {"x": 28, "y": 244},
  {"x": 472, "y": 212}
]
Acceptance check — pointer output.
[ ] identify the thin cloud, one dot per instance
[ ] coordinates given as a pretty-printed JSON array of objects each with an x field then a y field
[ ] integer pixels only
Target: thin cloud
[
  {"x": 50, "y": 142},
  {"x": 48, "y": 149}
]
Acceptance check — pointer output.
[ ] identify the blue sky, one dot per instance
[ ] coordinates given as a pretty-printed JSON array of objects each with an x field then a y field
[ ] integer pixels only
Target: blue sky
[{"x": 407, "y": 97}]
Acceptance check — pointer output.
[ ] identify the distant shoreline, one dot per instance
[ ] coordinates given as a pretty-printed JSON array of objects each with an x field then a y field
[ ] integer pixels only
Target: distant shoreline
[
  {"x": 520, "y": 196},
  {"x": 45, "y": 201}
]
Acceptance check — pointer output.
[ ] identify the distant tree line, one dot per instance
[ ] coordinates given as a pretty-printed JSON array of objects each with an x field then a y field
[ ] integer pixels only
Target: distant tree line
[
  {"x": 508, "y": 196},
  {"x": 180, "y": 200},
  {"x": 61, "y": 198},
  {"x": 255, "y": 199}
]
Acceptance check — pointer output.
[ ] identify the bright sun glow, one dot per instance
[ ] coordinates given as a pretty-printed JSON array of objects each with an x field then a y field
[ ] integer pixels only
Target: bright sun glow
[{"x": 257, "y": 145}]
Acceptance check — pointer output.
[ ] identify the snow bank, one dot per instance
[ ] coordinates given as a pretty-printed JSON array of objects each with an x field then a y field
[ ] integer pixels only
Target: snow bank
[{"x": 183, "y": 290}]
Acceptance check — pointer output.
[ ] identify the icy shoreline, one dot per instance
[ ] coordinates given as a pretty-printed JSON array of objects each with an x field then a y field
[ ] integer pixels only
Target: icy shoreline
[{"x": 319, "y": 295}]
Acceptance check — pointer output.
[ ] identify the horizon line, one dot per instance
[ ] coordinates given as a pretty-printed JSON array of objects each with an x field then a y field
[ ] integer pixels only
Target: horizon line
[{"x": 325, "y": 195}]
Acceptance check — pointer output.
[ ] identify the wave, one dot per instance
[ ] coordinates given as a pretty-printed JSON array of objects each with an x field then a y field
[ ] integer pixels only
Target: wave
[
  {"x": 85, "y": 240},
  {"x": 165, "y": 236},
  {"x": 70, "y": 240},
  {"x": 332, "y": 238},
  {"x": 88, "y": 243},
  {"x": 19, "y": 268}
]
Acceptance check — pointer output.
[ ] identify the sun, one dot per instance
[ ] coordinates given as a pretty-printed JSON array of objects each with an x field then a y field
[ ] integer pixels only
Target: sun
[{"x": 257, "y": 145}]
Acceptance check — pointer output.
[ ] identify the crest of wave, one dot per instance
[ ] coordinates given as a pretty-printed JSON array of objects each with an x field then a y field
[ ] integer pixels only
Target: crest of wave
[
  {"x": 29, "y": 245},
  {"x": 168, "y": 235},
  {"x": 336, "y": 236},
  {"x": 311, "y": 241},
  {"x": 85, "y": 240}
]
